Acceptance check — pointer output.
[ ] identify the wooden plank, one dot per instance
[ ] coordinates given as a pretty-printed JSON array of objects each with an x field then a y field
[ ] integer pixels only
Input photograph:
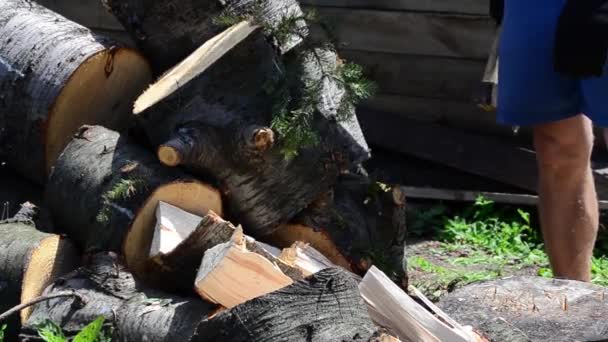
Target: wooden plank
[
  {"x": 454, "y": 113},
  {"x": 412, "y": 33},
  {"x": 471, "y": 196},
  {"x": 90, "y": 13},
  {"x": 481, "y": 7},
  {"x": 420, "y": 76},
  {"x": 479, "y": 155}
]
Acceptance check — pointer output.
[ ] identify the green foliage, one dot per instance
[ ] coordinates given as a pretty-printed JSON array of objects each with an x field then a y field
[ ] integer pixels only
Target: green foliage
[
  {"x": 424, "y": 222},
  {"x": 2, "y": 330},
  {"x": 497, "y": 236},
  {"x": 122, "y": 191},
  {"x": 295, "y": 100},
  {"x": 93, "y": 332},
  {"x": 50, "y": 332}
]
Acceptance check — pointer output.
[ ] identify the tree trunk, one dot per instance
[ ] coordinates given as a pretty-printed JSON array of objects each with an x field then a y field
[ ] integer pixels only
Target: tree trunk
[
  {"x": 29, "y": 261},
  {"x": 186, "y": 25},
  {"x": 55, "y": 76},
  {"x": 104, "y": 191},
  {"x": 219, "y": 122},
  {"x": 358, "y": 224},
  {"x": 324, "y": 307},
  {"x": 136, "y": 312}
]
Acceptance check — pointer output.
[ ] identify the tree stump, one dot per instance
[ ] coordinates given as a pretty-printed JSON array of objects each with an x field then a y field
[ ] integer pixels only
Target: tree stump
[
  {"x": 531, "y": 309},
  {"x": 55, "y": 76}
]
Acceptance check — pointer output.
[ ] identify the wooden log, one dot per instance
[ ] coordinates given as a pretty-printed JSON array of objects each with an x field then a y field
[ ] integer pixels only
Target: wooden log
[
  {"x": 230, "y": 275},
  {"x": 29, "y": 261},
  {"x": 55, "y": 76},
  {"x": 444, "y": 6},
  {"x": 392, "y": 308},
  {"x": 357, "y": 224},
  {"x": 136, "y": 312},
  {"x": 304, "y": 257},
  {"x": 531, "y": 309},
  {"x": 186, "y": 25},
  {"x": 104, "y": 191},
  {"x": 324, "y": 307}
]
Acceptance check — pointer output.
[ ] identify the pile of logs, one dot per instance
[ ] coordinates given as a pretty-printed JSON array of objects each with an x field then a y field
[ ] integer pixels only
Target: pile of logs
[{"x": 177, "y": 215}]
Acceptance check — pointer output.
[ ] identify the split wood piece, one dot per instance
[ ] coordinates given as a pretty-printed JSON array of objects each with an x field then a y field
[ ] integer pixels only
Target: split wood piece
[
  {"x": 194, "y": 65},
  {"x": 104, "y": 190},
  {"x": 55, "y": 76},
  {"x": 305, "y": 258},
  {"x": 180, "y": 258},
  {"x": 135, "y": 311},
  {"x": 227, "y": 134},
  {"x": 356, "y": 222},
  {"x": 29, "y": 261},
  {"x": 526, "y": 308},
  {"x": 325, "y": 307},
  {"x": 186, "y": 25},
  {"x": 230, "y": 275},
  {"x": 392, "y": 308}
]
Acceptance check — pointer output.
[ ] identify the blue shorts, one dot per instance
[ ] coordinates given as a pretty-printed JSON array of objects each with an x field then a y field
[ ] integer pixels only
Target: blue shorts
[{"x": 529, "y": 91}]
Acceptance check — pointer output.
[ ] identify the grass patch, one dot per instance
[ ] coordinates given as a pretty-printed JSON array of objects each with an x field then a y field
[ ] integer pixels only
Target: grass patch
[
  {"x": 483, "y": 242},
  {"x": 93, "y": 332}
]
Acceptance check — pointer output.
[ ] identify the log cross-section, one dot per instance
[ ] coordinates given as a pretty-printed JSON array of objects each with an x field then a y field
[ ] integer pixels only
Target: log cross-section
[{"x": 55, "y": 76}]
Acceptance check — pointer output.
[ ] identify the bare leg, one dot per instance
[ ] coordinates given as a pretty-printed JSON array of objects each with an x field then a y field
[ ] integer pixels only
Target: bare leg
[{"x": 568, "y": 206}]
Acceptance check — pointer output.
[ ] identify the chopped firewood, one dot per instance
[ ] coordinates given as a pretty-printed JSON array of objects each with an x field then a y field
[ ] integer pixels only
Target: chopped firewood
[
  {"x": 29, "y": 261},
  {"x": 104, "y": 191},
  {"x": 306, "y": 258},
  {"x": 230, "y": 274},
  {"x": 55, "y": 76},
  {"x": 392, "y": 308},
  {"x": 173, "y": 225}
]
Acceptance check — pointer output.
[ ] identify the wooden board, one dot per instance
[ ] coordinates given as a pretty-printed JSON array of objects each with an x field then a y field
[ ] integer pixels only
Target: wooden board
[
  {"x": 460, "y": 6},
  {"x": 420, "y": 76},
  {"x": 90, "y": 13},
  {"x": 479, "y": 155},
  {"x": 454, "y": 113},
  {"x": 434, "y": 34}
]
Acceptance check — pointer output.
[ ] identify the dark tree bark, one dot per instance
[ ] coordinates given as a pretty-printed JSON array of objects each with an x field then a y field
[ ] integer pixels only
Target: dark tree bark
[
  {"x": 531, "y": 309},
  {"x": 29, "y": 261},
  {"x": 356, "y": 225},
  {"x": 104, "y": 190},
  {"x": 324, "y": 307},
  {"x": 218, "y": 124},
  {"x": 136, "y": 312},
  {"x": 186, "y": 25},
  {"x": 55, "y": 75}
]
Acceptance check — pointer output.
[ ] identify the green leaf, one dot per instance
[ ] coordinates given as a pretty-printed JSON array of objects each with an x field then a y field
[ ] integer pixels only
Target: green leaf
[
  {"x": 91, "y": 332},
  {"x": 50, "y": 332},
  {"x": 2, "y": 329}
]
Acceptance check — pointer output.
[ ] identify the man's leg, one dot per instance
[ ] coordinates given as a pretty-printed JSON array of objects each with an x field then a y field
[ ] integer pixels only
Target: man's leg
[{"x": 568, "y": 202}]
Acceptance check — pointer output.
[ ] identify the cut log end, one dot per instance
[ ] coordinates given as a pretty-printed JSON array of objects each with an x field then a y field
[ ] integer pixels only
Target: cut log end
[
  {"x": 52, "y": 258},
  {"x": 169, "y": 156},
  {"x": 289, "y": 235},
  {"x": 101, "y": 91},
  {"x": 193, "y": 197}
]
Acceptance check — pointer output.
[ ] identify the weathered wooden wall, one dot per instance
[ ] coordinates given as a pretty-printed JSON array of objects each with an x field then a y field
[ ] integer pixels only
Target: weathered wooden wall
[{"x": 427, "y": 56}]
